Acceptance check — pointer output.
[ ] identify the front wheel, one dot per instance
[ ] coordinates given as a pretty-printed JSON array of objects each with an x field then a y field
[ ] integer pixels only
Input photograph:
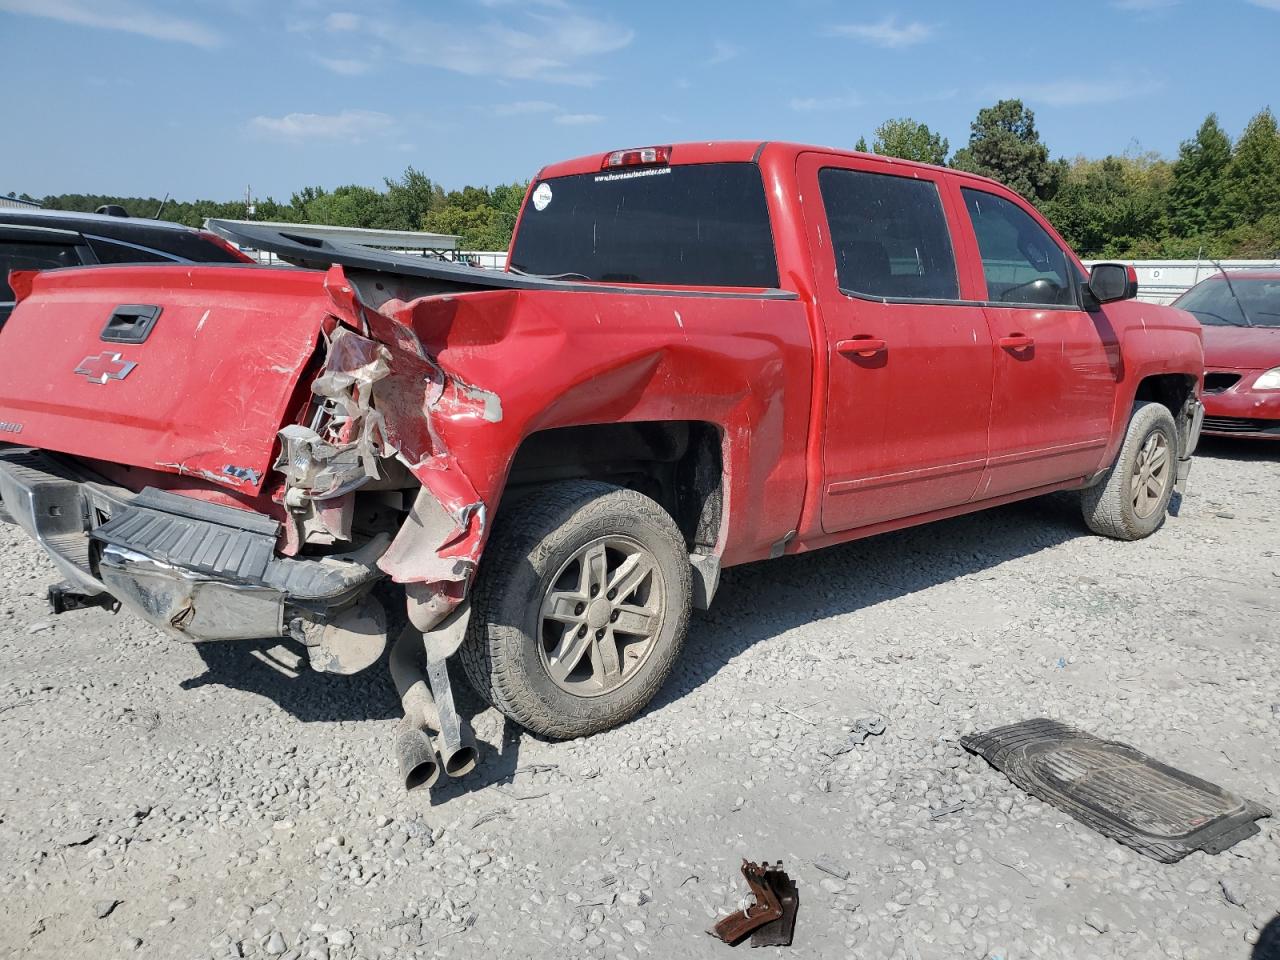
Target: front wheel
[
  {"x": 580, "y": 608},
  {"x": 1132, "y": 498}
]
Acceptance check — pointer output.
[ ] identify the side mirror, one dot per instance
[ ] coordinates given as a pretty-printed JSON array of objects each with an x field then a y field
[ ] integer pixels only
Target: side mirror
[{"x": 1109, "y": 282}]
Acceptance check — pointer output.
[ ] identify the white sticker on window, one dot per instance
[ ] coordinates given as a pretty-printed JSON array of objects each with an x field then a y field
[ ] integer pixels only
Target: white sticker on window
[{"x": 542, "y": 196}]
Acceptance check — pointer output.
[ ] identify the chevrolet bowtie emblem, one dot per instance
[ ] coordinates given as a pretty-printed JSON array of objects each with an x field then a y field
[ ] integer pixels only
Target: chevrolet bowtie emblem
[{"x": 105, "y": 366}]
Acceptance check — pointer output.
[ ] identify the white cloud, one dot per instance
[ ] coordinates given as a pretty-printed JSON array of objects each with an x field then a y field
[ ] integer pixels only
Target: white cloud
[
  {"x": 118, "y": 15},
  {"x": 723, "y": 51},
  {"x": 523, "y": 44},
  {"x": 352, "y": 125},
  {"x": 528, "y": 108},
  {"x": 1267, "y": 4},
  {"x": 524, "y": 107},
  {"x": 1071, "y": 92},
  {"x": 342, "y": 21},
  {"x": 578, "y": 119},
  {"x": 825, "y": 104},
  {"x": 345, "y": 68},
  {"x": 887, "y": 32}
]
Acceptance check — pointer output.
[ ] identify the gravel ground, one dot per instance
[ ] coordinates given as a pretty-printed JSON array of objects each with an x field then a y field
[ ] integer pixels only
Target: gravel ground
[{"x": 170, "y": 801}]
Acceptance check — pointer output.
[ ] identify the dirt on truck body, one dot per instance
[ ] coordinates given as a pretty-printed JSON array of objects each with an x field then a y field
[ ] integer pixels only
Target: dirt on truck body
[{"x": 699, "y": 356}]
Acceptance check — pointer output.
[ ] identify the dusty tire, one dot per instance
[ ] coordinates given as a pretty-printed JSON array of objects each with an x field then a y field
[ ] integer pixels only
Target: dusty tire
[
  {"x": 541, "y": 555},
  {"x": 1115, "y": 506}
]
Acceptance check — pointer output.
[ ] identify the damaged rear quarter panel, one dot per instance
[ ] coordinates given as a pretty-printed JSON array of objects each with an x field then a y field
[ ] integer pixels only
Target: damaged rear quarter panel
[{"x": 475, "y": 373}]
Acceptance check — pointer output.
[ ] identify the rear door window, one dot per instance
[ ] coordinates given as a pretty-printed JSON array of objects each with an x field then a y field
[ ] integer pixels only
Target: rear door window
[
  {"x": 1021, "y": 262},
  {"x": 889, "y": 236},
  {"x": 692, "y": 224}
]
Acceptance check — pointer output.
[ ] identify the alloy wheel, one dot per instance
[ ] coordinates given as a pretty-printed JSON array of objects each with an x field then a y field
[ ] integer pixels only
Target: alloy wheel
[
  {"x": 601, "y": 616},
  {"x": 1151, "y": 475}
]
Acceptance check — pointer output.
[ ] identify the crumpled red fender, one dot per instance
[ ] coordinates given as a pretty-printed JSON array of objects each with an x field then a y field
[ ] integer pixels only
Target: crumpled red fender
[{"x": 441, "y": 540}]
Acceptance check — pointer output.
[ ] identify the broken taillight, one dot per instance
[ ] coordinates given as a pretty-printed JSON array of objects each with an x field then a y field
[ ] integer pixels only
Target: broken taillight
[{"x": 636, "y": 157}]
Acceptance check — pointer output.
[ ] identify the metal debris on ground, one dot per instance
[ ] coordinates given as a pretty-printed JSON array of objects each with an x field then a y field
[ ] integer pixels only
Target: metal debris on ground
[
  {"x": 863, "y": 727},
  {"x": 535, "y": 768},
  {"x": 771, "y": 917},
  {"x": 502, "y": 813},
  {"x": 1158, "y": 810},
  {"x": 520, "y": 796},
  {"x": 778, "y": 933},
  {"x": 830, "y": 867}
]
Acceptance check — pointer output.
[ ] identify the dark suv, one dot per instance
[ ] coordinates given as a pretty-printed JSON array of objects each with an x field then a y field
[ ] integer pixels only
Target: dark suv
[{"x": 44, "y": 239}]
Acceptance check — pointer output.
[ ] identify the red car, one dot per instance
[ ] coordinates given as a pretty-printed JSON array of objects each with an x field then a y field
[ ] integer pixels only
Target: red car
[
  {"x": 701, "y": 355},
  {"x": 1240, "y": 311}
]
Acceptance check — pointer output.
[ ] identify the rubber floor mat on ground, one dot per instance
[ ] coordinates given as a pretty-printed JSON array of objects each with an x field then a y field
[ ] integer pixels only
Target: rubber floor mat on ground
[{"x": 1117, "y": 790}]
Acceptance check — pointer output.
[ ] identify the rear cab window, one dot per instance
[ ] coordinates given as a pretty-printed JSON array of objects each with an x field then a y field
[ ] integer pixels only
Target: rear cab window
[{"x": 701, "y": 224}]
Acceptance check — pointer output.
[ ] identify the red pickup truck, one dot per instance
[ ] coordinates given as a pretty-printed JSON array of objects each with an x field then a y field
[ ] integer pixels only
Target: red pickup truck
[{"x": 699, "y": 355}]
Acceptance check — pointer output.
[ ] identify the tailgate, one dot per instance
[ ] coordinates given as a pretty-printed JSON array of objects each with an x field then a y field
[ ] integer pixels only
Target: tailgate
[{"x": 200, "y": 390}]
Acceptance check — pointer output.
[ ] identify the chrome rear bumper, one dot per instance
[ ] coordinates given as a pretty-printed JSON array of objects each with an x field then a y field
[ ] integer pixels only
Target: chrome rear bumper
[{"x": 198, "y": 570}]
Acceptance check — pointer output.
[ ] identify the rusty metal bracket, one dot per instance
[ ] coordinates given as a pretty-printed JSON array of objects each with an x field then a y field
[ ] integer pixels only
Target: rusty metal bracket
[
  {"x": 778, "y": 933},
  {"x": 767, "y": 908}
]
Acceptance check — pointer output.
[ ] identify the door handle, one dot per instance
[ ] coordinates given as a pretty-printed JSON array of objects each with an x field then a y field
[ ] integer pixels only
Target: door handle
[
  {"x": 861, "y": 347},
  {"x": 1017, "y": 342}
]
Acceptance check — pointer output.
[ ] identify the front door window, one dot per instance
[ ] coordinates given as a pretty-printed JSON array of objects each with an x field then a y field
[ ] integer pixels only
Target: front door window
[{"x": 1022, "y": 263}]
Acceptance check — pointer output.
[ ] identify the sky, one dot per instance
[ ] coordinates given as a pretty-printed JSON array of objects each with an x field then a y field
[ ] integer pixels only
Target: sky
[{"x": 204, "y": 98}]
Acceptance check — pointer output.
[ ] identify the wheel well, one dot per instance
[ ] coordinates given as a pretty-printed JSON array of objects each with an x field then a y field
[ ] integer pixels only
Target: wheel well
[
  {"x": 677, "y": 463},
  {"x": 1173, "y": 390}
]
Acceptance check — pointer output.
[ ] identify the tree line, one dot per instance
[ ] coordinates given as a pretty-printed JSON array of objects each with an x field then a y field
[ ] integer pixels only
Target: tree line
[
  {"x": 1217, "y": 198},
  {"x": 482, "y": 216}
]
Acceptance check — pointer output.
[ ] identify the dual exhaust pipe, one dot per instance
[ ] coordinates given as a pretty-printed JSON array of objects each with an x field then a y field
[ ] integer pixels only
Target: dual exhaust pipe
[{"x": 426, "y": 696}]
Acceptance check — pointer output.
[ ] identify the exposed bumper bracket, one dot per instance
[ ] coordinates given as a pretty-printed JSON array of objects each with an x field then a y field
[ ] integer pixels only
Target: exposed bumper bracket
[
  {"x": 1194, "y": 414},
  {"x": 67, "y": 596}
]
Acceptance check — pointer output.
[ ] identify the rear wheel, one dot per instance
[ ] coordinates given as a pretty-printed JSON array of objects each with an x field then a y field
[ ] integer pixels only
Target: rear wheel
[
  {"x": 580, "y": 608},
  {"x": 1131, "y": 500}
]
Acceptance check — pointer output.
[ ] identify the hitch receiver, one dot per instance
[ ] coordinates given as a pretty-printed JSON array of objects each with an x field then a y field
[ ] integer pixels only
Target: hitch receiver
[{"x": 65, "y": 596}]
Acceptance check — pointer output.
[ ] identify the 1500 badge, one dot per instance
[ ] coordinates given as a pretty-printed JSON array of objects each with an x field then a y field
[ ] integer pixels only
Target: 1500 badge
[{"x": 105, "y": 366}]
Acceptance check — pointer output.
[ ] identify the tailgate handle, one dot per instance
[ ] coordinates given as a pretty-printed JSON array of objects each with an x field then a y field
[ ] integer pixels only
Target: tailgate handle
[{"x": 130, "y": 323}]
